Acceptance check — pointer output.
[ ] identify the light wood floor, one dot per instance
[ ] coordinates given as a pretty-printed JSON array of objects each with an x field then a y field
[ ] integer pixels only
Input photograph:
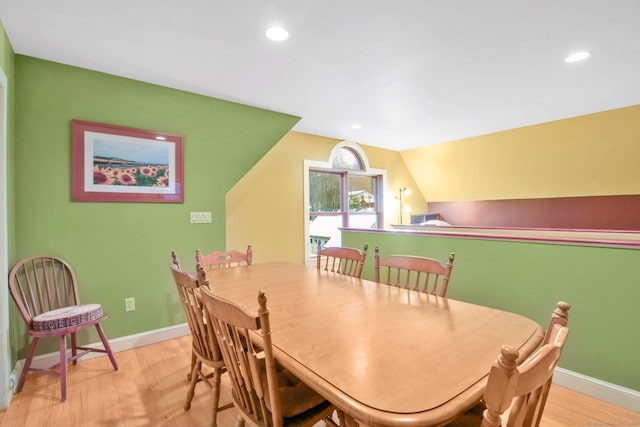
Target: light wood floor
[{"x": 150, "y": 388}]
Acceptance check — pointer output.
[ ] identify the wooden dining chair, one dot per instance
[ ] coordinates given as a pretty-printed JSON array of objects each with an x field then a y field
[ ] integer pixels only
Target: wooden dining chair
[
  {"x": 342, "y": 260},
  {"x": 218, "y": 259},
  {"x": 175, "y": 262},
  {"x": 46, "y": 292},
  {"x": 264, "y": 393},
  {"x": 205, "y": 350},
  {"x": 413, "y": 272},
  {"x": 516, "y": 395}
]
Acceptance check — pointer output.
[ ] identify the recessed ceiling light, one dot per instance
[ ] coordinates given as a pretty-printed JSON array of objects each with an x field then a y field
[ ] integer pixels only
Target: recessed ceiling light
[
  {"x": 277, "y": 34},
  {"x": 356, "y": 126},
  {"x": 160, "y": 138},
  {"x": 577, "y": 56}
]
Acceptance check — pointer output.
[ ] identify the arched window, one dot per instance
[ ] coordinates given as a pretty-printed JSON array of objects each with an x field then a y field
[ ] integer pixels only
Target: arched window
[
  {"x": 342, "y": 192},
  {"x": 347, "y": 158},
  {"x": 348, "y": 155}
]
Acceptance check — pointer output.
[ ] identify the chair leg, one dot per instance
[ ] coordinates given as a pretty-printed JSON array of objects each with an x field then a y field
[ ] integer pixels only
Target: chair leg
[
  {"x": 27, "y": 364},
  {"x": 346, "y": 420},
  {"x": 63, "y": 368},
  {"x": 328, "y": 421},
  {"x": 192, "y": 384},
  {"x": 193, "y": 363},
  {"x": 341, "y": 418},
  {"x": 74, "y": 348},
  {"x": 217, "y": 373},
  {"x": 106, "y": 345}
]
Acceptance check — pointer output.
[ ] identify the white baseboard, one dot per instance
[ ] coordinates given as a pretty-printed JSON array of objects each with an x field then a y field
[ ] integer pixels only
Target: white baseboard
[
  {"x": 608, "y": 392},
  {"x": 612, "y": 393}
]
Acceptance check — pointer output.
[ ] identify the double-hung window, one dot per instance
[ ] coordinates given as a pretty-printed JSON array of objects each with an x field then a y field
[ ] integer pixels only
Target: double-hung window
[{"x": 343, "y": 192}]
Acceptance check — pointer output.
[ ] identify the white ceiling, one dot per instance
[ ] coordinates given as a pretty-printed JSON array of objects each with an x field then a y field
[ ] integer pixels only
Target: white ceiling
[{"x": 411, "y": 72}]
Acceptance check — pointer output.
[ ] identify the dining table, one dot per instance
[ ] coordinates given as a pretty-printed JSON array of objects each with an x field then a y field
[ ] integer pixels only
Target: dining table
[{"x": 383, "y": 355}]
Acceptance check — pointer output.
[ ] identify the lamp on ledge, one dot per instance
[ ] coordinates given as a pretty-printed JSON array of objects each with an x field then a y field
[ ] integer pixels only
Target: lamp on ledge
[{"x": 403, "y": 209}]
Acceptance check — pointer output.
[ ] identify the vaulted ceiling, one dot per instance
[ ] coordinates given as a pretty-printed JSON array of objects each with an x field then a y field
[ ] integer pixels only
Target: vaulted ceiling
[{"x": 410, "y": 73}]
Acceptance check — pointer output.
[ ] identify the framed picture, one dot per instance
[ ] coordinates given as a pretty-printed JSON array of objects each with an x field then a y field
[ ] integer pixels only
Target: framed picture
[{"x": 119, "y": 164}]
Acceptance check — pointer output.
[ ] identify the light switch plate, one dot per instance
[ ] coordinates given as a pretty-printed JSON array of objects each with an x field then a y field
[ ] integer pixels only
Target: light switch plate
[{"x": 200, "y": 217}]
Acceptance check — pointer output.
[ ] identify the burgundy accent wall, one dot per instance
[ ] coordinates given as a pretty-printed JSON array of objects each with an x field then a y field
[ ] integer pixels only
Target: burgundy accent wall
[{"x": 592, "y": 212}]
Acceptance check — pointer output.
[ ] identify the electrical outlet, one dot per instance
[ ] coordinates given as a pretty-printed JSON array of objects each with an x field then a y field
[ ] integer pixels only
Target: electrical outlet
[
  {"x": 129, "y": 304},
  {"x": 200, "y": 217}
]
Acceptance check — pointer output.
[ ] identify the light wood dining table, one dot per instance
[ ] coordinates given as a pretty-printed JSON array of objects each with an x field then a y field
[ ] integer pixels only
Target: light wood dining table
[{"x": 385, "y": 356}]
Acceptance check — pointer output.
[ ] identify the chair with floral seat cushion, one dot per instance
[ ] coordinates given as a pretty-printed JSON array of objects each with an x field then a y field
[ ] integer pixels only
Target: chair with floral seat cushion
[
  {"x": 218, "y": 259},
  {"x": 264, "y": 393},
  {"x": 421, "y": 274},
  {"x": 205, "y": 350},
  {"x": 45, "y": 290},
  {"x": 341, "y": 260}
]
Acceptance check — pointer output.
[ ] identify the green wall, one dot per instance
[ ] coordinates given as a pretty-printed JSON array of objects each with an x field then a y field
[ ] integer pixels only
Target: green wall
[
  {"x": 601, "y": 284},
  {"x": 122, "y": 250}
]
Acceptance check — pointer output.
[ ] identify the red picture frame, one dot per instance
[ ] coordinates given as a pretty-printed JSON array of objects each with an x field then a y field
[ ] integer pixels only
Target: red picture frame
[{"x": 120, "y": 164}]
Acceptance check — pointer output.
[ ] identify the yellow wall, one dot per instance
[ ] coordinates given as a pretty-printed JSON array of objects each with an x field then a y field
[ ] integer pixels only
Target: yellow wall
[
  {"x": 265, "y": 208},
  {"x": 595, "y": 154}
]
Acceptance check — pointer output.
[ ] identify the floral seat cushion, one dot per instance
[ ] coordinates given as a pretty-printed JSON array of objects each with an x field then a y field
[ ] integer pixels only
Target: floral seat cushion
[{"x": 67, "y": 317}]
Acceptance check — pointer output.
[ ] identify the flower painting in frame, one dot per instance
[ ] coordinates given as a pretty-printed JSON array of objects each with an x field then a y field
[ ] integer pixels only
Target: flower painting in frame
[{"x": 120, "y": 164}]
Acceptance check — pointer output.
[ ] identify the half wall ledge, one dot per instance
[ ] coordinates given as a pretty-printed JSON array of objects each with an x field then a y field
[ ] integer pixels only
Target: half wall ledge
[{"x": 600, "y": 238}]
